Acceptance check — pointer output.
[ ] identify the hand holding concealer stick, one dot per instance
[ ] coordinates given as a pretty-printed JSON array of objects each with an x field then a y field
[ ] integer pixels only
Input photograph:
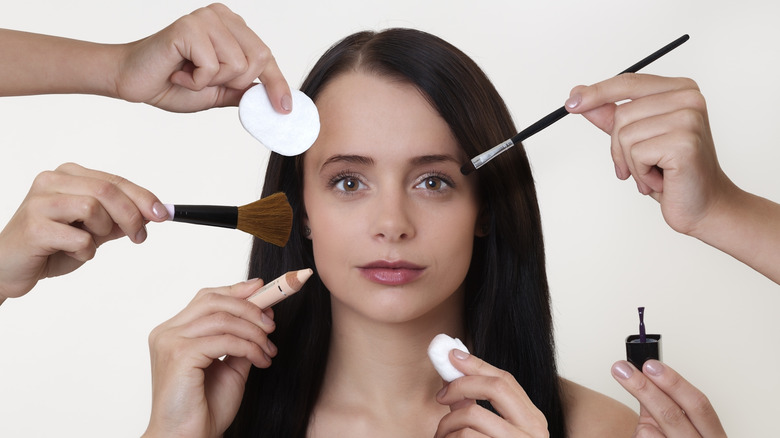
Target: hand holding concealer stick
[{"x": 280, "y": 288}]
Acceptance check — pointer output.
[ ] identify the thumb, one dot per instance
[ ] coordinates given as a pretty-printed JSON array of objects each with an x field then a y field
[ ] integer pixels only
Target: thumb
[
  {"x": 241, "y": 365},
  {"x": 602, "y": 115}
]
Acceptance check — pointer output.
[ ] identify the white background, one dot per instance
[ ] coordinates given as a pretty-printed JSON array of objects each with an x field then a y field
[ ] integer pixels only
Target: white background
[{"x": 74, "y": 355}]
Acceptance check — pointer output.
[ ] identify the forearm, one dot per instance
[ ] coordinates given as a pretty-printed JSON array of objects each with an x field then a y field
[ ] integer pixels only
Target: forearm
[
  {"x": 748, "y": 228},
  {"x": 41, "y": 64}
]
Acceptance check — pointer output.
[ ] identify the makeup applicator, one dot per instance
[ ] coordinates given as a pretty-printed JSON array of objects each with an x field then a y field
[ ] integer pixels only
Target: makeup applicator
[
  {"x": 481, "y": 159},
  {"x": 642, "y": 347},
  {"x": 269, "y": 219}
]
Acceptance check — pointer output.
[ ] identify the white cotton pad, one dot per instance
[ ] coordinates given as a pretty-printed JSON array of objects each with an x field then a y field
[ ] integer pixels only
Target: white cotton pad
[
  {"x": 439, "y": 353},
  {"x": 286, "y": 134}
]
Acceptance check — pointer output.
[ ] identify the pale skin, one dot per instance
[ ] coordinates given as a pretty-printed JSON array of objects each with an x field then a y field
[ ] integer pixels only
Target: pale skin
[
  {"x": 196, "y": 68},
  {"x": 384, "y": 174},
  {"x": 205, "y": 59},
  {"x": 662, "y": 138}
]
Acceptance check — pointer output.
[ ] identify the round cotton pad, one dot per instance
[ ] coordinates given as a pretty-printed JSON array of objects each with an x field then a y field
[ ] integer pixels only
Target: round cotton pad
[
  {"x": 286, "y": 134},
  {"x": 439, "y": 353}
]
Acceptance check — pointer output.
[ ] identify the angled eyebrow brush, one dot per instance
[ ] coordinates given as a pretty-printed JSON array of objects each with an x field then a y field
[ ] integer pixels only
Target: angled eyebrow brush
[
  {"x": 269, "y": 219},
  {"x": 481, "y": 159}
]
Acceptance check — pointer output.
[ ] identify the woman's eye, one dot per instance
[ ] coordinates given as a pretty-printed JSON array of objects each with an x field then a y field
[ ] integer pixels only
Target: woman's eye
[
  {"x": 432, "y": 183},
  {"x": 348, "y": 184}
]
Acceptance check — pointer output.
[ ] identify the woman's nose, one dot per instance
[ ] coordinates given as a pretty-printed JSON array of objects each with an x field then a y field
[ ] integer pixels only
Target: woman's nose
[{"x": 391, "y": 217}]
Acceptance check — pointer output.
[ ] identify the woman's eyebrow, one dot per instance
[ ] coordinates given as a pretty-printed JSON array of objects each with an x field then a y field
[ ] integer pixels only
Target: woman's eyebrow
[
  {"x": 436, "y": 158},
  {"x": 355, "y": 159}
]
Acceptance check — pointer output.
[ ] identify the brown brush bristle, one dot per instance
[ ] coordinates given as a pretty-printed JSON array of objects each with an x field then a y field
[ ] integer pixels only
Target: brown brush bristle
[{"x": 268, "y": 219}]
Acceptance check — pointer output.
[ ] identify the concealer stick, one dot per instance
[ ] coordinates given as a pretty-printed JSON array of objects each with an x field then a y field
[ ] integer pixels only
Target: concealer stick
[{"x": 280, "y": 288}]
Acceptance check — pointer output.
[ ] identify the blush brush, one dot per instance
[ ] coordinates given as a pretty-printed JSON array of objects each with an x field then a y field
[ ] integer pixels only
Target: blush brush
[
  {"x": 482, "y": 159},
  {"x": 269, "y": 219}
]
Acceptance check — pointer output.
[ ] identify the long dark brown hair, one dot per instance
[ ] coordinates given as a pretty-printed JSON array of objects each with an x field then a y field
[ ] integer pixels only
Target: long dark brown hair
[{"x": 507, "y": 307}]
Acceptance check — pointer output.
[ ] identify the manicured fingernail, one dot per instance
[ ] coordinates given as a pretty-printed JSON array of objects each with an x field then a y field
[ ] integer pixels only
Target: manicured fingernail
[
  {"x": 460, "y": 355},
  {"x": 573, "y": 101},
  {"x": 287, "y": 102},
  {"x": 653, "y": 367},
  {"x": 159, "y": 210},
  {"x": 140, "y": 236},
  {"x": 622, "y": 370}
]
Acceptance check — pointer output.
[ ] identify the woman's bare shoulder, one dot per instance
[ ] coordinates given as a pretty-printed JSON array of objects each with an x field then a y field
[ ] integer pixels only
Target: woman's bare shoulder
[{"x": 592, "y": 414}]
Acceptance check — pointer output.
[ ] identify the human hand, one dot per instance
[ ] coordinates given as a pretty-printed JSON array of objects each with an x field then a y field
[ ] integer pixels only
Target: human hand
[
  {"x": 482, "y": 381},
  {"x": 194, "y": 393},
  {"x": 205, "y": 59},
  {"x": 66, "y": 216},
  {"x": 662, "y": 138},
  {"x": 669, "y": 404}
]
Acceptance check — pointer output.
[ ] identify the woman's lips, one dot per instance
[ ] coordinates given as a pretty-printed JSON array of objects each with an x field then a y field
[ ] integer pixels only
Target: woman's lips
[{"x": 391, "y": 273}]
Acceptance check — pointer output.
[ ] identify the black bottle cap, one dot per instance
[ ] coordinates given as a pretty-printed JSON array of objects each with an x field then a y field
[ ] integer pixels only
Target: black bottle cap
[{"x": 638, "y": 352}]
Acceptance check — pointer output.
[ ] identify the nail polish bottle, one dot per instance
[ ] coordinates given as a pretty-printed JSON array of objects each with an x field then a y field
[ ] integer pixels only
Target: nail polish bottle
[{"x": 642, "y": 347}]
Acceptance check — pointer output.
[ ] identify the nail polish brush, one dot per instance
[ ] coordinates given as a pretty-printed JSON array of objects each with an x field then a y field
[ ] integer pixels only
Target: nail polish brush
[{"x": 642, "y": 347}]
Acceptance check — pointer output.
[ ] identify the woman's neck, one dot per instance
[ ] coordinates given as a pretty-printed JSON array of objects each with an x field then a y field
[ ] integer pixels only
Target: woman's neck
[{"x": 379, "y": 372}]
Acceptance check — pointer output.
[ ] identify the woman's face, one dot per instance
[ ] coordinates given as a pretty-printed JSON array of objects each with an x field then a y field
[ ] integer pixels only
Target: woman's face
[{"x": 392, "y": 218}]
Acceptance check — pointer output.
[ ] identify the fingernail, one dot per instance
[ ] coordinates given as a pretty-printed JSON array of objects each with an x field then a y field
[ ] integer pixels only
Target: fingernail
[
  {"x": 265, "y": 319},
  {"x": 460, "y": 355},
  {"x": 653, "y": 367},
  {"x": 622, "y": 370},
  {"x": 618, "y": 173},
  {"x": 272, "y": 348},
  {"x": 442, "y": 391},
  {"x": 287, "y": 102},
  {"x": 159, "y": 210},
  {"x": 140, "y": 236},
  {"x": 573, "y": 101}
]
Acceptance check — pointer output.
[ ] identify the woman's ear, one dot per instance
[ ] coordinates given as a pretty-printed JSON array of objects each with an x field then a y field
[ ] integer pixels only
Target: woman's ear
[{"x": 482, "y": 227}]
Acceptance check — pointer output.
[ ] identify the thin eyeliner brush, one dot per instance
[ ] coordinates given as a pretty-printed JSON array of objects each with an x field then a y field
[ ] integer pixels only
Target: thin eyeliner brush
[{"x": 558, "y": 114}]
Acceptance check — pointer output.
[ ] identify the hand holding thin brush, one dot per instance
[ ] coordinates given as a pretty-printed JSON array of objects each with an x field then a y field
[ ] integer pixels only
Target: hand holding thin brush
[
  {"x": 661, "y": 137},
  {"x": 66, "y": 216}
]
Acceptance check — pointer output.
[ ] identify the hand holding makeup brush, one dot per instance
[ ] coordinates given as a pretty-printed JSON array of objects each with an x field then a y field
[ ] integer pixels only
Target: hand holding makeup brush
[
  {"x": 66, "y": 216},
  {"x": 661, "y": 137}
]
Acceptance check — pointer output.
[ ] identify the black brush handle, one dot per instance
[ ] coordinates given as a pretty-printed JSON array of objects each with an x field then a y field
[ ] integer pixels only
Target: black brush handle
[
  {"x": 558, "y": 114},
  {"x": 213, "y": 215},
  {"x": 481, "y": 159}
]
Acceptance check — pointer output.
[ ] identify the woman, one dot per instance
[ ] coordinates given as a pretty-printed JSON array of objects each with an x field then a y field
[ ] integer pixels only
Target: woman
[{"x": 405, "y": 247}]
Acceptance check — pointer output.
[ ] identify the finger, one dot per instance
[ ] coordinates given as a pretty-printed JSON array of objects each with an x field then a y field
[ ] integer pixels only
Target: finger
[
  {"x": 87, "y": 211},
  {"x": 224, "y": 323},
  {"x": 229, "y": 299},
  {"x": 483, "y": 381},
  {"x": 127, "y": 203},
  {"x": 255, "y": 54},
  {"x": 240, "y": 364},
  {"x": 232, "y": 60},
  {"x": 627, "y": 86},
  {"x": 642, "y": 119},
  {"x": 213, "y": 347},
  {"x": 474, "y": 420},
  {"x": 696, "y": 405},
  {"x": 670, "y": 417}
]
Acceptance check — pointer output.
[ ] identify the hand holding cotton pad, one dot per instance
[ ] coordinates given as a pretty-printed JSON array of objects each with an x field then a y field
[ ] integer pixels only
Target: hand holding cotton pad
[
  {"x": 286, "y": 134},
  {"x": 439, "y": 353}
]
